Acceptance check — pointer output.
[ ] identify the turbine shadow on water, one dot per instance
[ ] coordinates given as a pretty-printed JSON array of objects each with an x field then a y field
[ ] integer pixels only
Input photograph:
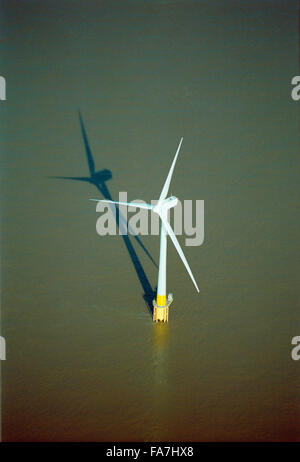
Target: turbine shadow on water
[{"x": 99, "y": 179}]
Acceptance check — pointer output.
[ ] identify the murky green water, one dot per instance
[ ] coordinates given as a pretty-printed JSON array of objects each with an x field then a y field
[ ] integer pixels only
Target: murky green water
[{"x": 84, "y": 361}]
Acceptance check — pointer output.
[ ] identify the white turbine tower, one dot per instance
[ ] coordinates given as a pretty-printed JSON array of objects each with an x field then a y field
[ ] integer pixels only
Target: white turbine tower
[{"x": 162, "y": 303}]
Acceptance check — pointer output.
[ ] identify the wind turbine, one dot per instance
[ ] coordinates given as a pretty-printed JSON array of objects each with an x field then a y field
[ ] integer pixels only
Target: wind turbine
[{"x": 162, "y": 302}]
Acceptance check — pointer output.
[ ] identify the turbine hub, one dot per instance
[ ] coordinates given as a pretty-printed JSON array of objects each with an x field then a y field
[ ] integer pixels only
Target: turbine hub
[
  {"x": 170, "y": 202},
  {"x": 165, "y": 204}
]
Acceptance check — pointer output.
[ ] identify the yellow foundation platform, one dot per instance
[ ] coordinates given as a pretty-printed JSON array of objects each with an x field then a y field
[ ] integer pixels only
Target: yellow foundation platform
[{"x": 161, "y": 312}]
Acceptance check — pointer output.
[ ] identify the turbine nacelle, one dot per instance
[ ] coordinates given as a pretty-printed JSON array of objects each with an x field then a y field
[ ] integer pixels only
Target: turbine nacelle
[{"x": 165, "y": 204}]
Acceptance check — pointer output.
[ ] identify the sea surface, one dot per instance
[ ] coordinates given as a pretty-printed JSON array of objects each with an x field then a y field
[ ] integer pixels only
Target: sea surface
[{"x": 99, "y": 94}]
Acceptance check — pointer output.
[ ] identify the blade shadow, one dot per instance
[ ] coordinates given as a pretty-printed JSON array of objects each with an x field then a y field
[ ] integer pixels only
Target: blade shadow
[{"x": 99, "y": 179}]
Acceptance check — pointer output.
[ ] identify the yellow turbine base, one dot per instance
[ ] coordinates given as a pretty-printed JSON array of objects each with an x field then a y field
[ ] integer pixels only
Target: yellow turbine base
[
  {"x": 160, "y": 314},
  {"x": 161, "y": 300},
  {"x": 161, "y": 308}
]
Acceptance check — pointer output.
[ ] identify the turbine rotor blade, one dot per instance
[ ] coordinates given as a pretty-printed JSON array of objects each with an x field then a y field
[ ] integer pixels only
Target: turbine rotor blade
[
  {"x": 178, "y": 248},
  {"x": 165, "y": 189},
  {"x": 129, "y": 204}
]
